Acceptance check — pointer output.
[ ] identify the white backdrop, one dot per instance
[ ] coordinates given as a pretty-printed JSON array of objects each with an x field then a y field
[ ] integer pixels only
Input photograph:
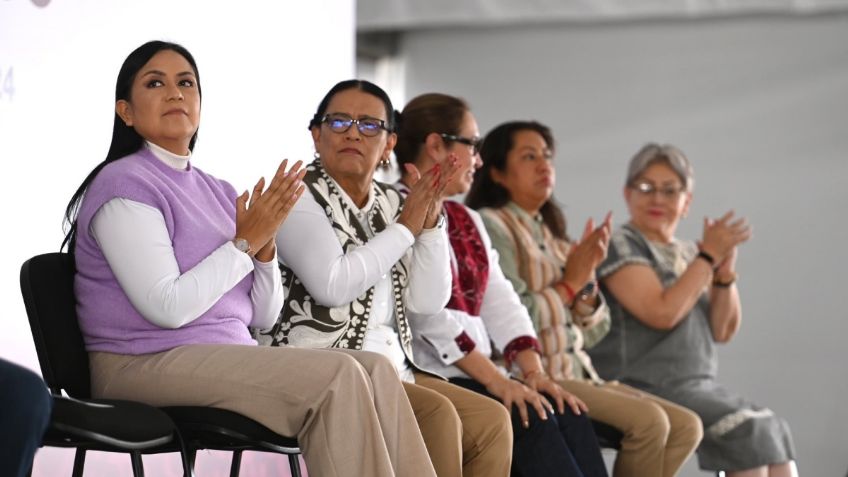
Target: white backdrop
[{"x": 264, "y": 67}]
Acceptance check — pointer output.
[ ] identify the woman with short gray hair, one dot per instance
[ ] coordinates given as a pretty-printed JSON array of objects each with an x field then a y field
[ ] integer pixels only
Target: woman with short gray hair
[{"x": 671, "y": 301}]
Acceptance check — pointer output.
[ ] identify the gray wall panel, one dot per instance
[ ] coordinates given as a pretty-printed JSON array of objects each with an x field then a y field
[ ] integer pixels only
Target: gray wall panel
[{"x": 760, "y": 104}]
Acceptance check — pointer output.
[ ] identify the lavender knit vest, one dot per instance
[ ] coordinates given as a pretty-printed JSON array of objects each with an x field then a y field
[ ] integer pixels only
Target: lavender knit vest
[{"x": 199, "y": 213}]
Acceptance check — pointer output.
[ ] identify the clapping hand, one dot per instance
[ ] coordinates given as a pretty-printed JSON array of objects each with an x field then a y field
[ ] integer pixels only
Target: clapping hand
[
  {"x": 585, "y": 255},
  {"x": 259, "y": 215},
  {"x": 722, "y": 236},
  {"x": 424, "y": 201}
]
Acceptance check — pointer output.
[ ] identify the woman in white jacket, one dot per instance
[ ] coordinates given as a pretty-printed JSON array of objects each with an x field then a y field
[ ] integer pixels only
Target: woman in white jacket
[{"x": 552, "y": 433}]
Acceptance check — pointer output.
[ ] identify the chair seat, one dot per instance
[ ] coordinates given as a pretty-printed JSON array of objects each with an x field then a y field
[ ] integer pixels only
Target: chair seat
[
  {"x": 104, "y": 421},
  {"x": 217, "y": 428}
]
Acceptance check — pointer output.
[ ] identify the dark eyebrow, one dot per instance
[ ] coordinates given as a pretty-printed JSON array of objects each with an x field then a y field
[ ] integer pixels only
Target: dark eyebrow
[
  {"x": 663, "y": 183},
  {"x": 364, "y": 116},
  {"x": 160, "y": 73},
  {"x": 545, "y": 151}
]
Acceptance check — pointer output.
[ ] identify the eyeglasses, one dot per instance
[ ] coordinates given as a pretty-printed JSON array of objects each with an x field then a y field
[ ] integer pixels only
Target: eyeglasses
[
  {"x": 646, "y": 189},
  {"x": 339, "y": 123},
  {"x": 474, "y": 142}
]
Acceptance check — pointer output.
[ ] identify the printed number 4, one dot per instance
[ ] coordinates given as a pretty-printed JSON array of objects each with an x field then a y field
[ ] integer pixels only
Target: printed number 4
[{"x": 7, "y": 88}]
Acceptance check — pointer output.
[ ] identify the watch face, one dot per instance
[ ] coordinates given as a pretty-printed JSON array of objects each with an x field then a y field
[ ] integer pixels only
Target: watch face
[{"x": 242, "y": 245}]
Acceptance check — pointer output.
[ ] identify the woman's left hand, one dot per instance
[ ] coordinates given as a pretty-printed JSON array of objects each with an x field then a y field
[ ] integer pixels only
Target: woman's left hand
[
  {"x": 445, "y": 173},
  {"x": 542, "y": 383},
  {"x": 587, "y": 254}
]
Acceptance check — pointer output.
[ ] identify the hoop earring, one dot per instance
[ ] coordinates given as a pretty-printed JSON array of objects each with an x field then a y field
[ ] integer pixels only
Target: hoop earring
[{"x": 385, "y": 163}]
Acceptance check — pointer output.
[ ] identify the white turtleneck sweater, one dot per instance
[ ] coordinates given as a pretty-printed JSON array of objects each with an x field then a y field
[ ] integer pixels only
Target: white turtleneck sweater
[{"x": 135, "y": 241}]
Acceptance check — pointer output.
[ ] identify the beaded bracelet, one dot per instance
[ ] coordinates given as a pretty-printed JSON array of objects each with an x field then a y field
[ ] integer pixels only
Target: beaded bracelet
[{"x": 720, "y": 284}]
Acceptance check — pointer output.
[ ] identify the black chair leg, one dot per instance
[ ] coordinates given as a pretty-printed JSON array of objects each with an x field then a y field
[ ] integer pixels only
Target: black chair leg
[
  {"x": 294, "y": 465},
  {"x": 235, "y": 467},
  {"x": 137, "y": 465},
  {"x": 187, "y": 456},
  {"x": 79, "y": 462},
  {"x": 191, "y": 455}
]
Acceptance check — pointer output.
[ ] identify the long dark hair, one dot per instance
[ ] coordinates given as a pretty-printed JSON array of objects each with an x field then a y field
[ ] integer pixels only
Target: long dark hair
[
  {"x": 361, "y": 85},
  {"x": 125, "y": 140},
  {"x": 485, "y": 192},
  {"x": 423, "y": 115}
]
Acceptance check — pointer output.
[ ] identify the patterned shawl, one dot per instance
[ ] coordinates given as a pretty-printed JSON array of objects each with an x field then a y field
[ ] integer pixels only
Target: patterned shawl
[
  {"x": 471, "y": 274},
  {"x": 305, "y": 323}
]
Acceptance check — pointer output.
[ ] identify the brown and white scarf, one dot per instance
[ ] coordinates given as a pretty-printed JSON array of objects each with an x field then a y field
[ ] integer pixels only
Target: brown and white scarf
[{"x": 307, "y": 324}]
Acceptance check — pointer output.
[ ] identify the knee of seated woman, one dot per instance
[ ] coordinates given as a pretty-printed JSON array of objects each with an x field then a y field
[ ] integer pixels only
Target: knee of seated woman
[
  {"x": 535, "y": 421},
  {"x": 688, "y": 427},
  {"x": 494, "y": 417},
  {"x": 649, "y": 420},
  {"x": 498, "y": 414},
  {"x": 373, "y": 362},
  {"x": 338, "y": 365},
  {"x": 437, "y": 410},
  {"x": 29, "y": 396}
]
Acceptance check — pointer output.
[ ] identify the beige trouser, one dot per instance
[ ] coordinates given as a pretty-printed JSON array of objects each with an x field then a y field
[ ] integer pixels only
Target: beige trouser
[
  {"x": 658, "y": 435},
  {"x": 466, "y": 433},
  {"x": 326, "y": 398}
]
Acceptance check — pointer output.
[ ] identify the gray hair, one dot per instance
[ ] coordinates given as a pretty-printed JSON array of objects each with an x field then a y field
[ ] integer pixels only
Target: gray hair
[{"x": 653, "y": 153}]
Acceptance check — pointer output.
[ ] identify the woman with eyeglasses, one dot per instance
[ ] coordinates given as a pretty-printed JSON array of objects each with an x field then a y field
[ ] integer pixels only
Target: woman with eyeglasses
[
  {"x": 357, "y": 258},
  {"x": 555, "y": 279},
  {"x": 173, "y": 266},
  {"x": 552, "y": 435},
  {"x": 671, "y": 302}
]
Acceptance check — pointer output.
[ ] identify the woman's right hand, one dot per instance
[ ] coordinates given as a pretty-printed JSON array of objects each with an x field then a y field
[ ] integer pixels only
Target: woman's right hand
[
  {"x": 259, "y": 215},
  {"x": 585, "y": 255},
  {"x": 510, "y": 392},
  {"x": 721, "y": 236}
]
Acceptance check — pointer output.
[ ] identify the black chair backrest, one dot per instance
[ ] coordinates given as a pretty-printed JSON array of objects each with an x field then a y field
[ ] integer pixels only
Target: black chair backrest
[{"x": 47, "y": 285}]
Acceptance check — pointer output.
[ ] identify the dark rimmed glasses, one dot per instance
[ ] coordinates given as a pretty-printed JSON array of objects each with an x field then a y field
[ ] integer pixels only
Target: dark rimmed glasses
[
  {"x": 339, "y": 123},
  {"x": 474, "y": 142}
]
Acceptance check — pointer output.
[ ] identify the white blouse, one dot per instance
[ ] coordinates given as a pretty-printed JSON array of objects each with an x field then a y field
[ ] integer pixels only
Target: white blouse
[
  {"x": 307, "y": 244},
  {"x": 135, "y": 242},
  {"x": 502, "y": 319}
]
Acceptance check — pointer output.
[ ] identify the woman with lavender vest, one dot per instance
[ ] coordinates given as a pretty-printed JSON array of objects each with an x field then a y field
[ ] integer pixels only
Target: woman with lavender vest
[
  {"x": 173, "y": 266},
  {"x": 484, "y": 309}
]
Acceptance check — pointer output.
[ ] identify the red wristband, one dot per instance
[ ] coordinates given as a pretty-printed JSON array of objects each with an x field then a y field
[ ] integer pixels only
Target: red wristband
[{"x": 569, "y": 292}]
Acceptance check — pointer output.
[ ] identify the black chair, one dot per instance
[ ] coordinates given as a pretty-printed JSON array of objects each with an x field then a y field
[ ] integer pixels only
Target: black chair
[
  {"x": 79, "y": 421},
  {"x": 49, "y": 279},
  {"x": 220, "y": 429}
]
